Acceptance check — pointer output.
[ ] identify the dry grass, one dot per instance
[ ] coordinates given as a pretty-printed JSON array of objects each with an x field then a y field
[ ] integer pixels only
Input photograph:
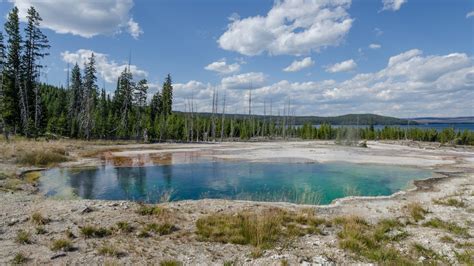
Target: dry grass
[
  {"x": 260, "y": 229},
  {"x": 416, "y": 211},
  {"x": 109, "y": 250},
  {"x": 38, "y": 219},
  {"x": 41, "y": 158}
]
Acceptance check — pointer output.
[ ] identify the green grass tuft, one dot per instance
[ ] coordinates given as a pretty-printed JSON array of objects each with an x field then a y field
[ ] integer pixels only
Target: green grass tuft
[
  {"x": 170, "y": 263},
  {"x": 263, "y": 229},
  {"x": 61, "y": 245},
  {"x": 450, "y": 202},
  {"x": 90, "y": 231},
  {"x": 23, "y": 237},
  {"x": 416, "y": 211},
  {"x": 20, "y": 258},
  {"x": 150, "y": 210}
]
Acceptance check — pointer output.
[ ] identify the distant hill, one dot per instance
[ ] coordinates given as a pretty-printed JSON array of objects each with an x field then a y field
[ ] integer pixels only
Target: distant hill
[
  {"x": 444, "y": 120},
  {"x": 349, "y": 119}
]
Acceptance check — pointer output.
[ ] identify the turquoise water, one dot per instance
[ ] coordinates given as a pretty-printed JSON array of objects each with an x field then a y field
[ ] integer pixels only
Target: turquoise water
[{"x": 308, "y": 183}]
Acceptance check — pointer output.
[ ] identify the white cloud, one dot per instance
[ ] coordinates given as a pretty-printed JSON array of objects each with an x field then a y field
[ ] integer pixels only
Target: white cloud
[
  {"x": 344, "y": 66},
  {"x": 294, "y": 27},
  {"x": 134, "y": 29},
  {"x": 244, "y": 81},
  {"x": 86, "y": 18},
  {"x": 222, "y": 67},
  {"x": 470, "y": 14},
  {"x": 410, "y": 85},
  {"x": 108, "y": 69},
  {"x": 378, "y": 32},
  {"x": 393, "y": 5},
  {"x": 375, "y": 46},
  {"x": 299, "y": 65}
]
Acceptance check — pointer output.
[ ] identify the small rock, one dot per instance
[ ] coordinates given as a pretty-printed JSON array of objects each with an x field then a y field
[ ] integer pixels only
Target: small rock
[
  {"x": 12, "y": 222},
  {"x": 58, "y": 255},
  {"x": 86, "y": 210}
]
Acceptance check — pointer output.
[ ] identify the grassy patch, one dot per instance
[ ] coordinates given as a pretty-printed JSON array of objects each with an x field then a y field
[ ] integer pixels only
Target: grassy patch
[
  {"x": 20, "y": 258},
  {"x": 32, "y": 177},
  {"x": 170, "y": 263},
  {"x": 23, "y": 237},
  {"x": 371, "y": 241},
  {"x": 38, "y": 219},
  {"x": 465, "y": 257},
  {"x": 61, "y": 244},
  {"x": 427, "y": 253},
  {"x": 109, "y": 250},
  {"x": 150, "y": 210},
  {"x": 124, "y": 227},
  {"x": 416, "y": 211},
  {"x": 41, "y": 157},
  {"x": 263, "y": 229},
  {"x": 90, "y": 231},
  {"x": 161, "y": 229},
  {"x": 448, "y": 226},
  {"x": 450, "y": 202},
  {"x": 447, "y": 239}
]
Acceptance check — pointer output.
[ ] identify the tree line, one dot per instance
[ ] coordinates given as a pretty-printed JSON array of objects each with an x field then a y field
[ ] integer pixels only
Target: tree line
[{"x": 82, "y": 110}]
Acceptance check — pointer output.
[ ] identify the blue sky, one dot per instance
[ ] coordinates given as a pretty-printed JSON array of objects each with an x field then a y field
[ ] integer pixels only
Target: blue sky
[{"x": 340, "y": 51}]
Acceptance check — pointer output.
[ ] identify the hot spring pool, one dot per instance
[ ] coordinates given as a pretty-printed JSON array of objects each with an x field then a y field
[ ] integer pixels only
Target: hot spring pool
[{"x": 306, "y": 183}]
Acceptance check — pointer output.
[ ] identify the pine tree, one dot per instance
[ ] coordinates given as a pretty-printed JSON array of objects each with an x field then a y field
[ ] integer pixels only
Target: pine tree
[
  {"x": 89, "y": 93},
  {"x": 76, "y": 96},
  {"x": 140, "y": 95},
  {"x": 167, "y": 96},
  {"x": 35, "y": 45},
  {"x": 2, "y": 64},
  {"x": 124, "y": 100},
  {"x": 11, "y": 74}
]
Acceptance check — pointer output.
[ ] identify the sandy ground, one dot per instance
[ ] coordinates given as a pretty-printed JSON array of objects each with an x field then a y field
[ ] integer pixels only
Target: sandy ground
[{"x": 453, "y": 166}]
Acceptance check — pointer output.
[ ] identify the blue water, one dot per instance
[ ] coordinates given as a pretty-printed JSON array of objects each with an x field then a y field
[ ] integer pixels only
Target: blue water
[
  {"x": 438, "y": 127},
  {"x": 308, "y": 183}
]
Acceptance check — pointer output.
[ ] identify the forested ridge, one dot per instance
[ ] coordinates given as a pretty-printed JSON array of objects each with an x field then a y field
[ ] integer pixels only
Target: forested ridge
[{"x": 83, "y": 110}]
